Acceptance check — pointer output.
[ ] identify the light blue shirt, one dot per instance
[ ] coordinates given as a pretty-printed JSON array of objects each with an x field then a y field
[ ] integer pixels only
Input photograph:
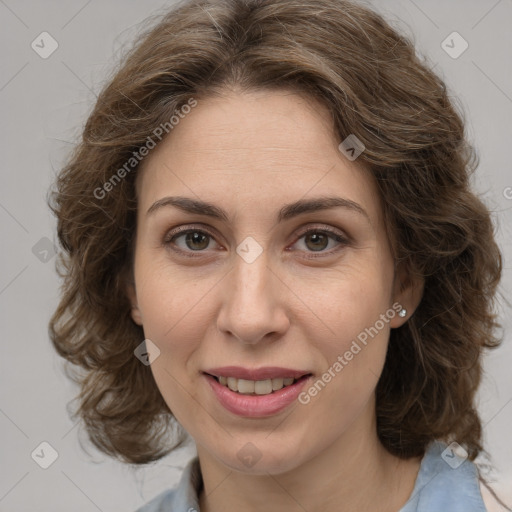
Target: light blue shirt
[{"x": 445, "y": 483}]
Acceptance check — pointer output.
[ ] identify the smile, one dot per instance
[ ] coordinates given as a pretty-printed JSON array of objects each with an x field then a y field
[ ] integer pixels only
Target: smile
[{"x": 256, "y": 393}]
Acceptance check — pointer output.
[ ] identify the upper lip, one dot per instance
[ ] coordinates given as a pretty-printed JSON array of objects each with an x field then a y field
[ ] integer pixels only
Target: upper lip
[{"x": 267, "y": 372}]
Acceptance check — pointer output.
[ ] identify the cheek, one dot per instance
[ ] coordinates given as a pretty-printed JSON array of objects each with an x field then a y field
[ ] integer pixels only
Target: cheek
[
  {"x": 174, "y": 304},
  {"x": 355, "y": 311},
  {"x": 350, "y": 299},
  {"x": 176, "y": 313}
]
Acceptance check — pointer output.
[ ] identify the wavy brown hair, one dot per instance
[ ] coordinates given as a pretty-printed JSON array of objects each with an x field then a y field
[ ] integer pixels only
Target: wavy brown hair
[{"x": 375, "y": 86}]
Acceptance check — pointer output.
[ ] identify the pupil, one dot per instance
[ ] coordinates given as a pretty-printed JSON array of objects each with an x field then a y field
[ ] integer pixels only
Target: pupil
[
  {"x": 317, "y": 237},
  {"x": 195, "y": 238}
]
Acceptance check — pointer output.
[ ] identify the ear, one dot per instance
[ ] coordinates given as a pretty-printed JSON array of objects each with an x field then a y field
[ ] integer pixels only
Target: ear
[
  {"x": 132, "y": 296},
  {"x": 407, "y": 291}
]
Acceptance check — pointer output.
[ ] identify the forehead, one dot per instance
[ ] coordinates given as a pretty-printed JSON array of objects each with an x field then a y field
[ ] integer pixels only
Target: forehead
[{"x": 239, "y": 149}]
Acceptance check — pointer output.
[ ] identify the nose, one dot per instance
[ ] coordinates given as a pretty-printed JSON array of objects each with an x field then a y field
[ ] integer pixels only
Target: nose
[{"x": 253, "y": 308}]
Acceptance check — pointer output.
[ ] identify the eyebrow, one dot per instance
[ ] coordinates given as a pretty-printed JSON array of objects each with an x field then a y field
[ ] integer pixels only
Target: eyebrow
[{"x": 288, "y": 211}]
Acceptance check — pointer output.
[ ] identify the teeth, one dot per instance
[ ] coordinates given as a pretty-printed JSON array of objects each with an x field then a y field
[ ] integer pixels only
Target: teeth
[
  {"x": 246, "y": 386},
  {"x": 258, "y": 387},
  {"x": 277, "y": 384},
  {"x": 263, "y": 387}
]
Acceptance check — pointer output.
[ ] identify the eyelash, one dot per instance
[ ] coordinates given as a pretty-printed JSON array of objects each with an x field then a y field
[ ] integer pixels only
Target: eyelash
[{"x": 331, "y": 233}]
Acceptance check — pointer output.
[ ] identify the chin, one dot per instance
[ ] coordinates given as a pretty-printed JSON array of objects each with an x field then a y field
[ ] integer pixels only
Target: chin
[{"x": 260, "y": 461}]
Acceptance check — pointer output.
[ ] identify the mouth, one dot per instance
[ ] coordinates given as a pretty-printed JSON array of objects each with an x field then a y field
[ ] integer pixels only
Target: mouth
[
  {"x": 256, "y": 393},
  {"x": 262, "y": 381}
]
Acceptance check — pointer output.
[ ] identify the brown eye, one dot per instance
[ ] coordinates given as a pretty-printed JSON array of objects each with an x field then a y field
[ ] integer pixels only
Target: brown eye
[
  {"x": 188, "y": 241},
  {"x": 316, "y": 241},
  {"x": 197, "y": 240},
  {"x": 323, "y": 241}
]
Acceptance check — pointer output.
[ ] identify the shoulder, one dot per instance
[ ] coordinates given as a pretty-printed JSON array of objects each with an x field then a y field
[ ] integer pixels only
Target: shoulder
[{"x": 447, "y": 480}]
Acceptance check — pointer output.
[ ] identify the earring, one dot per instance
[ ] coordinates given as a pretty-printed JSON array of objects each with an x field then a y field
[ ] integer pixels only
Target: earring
[{"x": 402, "y": 313}]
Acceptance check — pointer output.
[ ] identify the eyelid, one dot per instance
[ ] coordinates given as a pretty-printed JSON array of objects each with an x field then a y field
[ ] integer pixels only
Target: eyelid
[
  {"x": 169, "y": 235},
  {"x": 324, "y": 229}
]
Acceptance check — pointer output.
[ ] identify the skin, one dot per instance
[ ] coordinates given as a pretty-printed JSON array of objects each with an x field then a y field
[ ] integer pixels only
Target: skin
[{"x": 250, "y": 153}]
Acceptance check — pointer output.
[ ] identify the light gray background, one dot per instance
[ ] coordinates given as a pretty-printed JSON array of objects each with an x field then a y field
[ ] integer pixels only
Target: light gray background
[{"x": 44, "y": 103}]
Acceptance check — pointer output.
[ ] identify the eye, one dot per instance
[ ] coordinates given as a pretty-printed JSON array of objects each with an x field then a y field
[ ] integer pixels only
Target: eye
[
  {"x": 188, "y": 240},
  {"x": 317, "y": 240}
]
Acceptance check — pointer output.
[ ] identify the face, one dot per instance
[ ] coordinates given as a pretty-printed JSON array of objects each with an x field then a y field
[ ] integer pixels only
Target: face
[{"x": 254, "y": 288}]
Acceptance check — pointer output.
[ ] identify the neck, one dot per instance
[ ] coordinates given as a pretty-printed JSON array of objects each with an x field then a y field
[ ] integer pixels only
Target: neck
[{"x": 354, "y": 473}]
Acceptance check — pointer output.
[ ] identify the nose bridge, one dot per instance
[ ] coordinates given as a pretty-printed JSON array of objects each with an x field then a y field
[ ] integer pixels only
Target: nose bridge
[
  {"x": 251, "y": 282},
  {"x": 251, "y": 308}
]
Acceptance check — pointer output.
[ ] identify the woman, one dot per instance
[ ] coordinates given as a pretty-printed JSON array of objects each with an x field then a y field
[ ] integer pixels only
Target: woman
[{"x": 271, "y": 245}]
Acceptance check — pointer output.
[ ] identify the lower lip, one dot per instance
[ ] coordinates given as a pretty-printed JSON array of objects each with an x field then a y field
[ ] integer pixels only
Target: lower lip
[{"x": 256, "y": 406}]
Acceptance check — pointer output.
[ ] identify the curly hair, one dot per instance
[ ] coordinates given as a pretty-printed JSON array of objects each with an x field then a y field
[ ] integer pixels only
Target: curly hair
[{"x": 375, "y": 86}]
